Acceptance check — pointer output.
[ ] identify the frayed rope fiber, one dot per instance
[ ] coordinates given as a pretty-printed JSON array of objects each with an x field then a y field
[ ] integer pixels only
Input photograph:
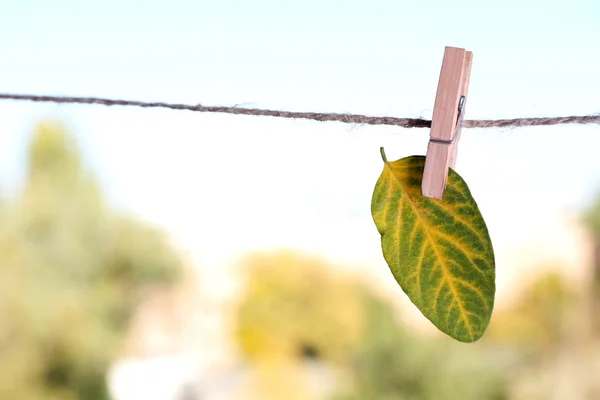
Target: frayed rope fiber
[{"x": 322, "y": 117}]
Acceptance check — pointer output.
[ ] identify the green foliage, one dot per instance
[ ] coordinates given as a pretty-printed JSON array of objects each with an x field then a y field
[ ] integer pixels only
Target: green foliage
[
  {"x": 592, "y": 221},
  {"x": 439, "y": 251},
  {"x": 392, "y": 364},
  {"x": 71, "y": 274},
  {"x": 293, "y": 302},
  {"x": 592, "y": 217},
  {"x": 543, "y": 315}
]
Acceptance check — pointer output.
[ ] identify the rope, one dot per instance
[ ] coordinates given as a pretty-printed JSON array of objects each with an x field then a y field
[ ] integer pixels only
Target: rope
[{"x": 321, "y": 117}]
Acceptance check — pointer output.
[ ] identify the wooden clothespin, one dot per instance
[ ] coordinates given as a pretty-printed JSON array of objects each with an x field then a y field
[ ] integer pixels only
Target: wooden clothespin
[{"x": 448, "y": 113}]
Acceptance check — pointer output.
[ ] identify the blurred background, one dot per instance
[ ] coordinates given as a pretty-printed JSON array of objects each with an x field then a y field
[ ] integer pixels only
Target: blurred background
[{"x": 169, "y": 255}]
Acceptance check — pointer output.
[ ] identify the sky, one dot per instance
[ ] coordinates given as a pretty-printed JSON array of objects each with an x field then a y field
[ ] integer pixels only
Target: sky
[{"x": 222, "y": 185}]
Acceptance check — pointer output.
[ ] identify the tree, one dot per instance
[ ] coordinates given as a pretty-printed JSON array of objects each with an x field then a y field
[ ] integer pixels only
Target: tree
[
  {"x": 297, "y": 308},
  {"x": 297, "y": 319},
  {"x": 592, "y": 221},
  {"x": 544, "y": 316},
  {"x": 392, "y": 363},
  {"x": 71, "y": 274}
]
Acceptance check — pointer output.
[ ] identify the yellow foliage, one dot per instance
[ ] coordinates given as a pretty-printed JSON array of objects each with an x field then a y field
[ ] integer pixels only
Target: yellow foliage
[
  {"x": 295, "y": 305},
  {"x": 542, "y": 316}
]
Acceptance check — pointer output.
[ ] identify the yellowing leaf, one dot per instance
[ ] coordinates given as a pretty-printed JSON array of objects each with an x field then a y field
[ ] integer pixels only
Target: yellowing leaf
[{"x": 439, "y": 251}]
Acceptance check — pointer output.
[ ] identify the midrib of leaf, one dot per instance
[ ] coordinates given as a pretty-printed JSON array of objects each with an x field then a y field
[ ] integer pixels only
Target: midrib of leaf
[{"x": 457, "y": 299}]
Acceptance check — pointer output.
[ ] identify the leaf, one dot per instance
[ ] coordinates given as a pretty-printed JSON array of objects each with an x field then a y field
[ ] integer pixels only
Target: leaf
[{"x": 439, "y": 251}]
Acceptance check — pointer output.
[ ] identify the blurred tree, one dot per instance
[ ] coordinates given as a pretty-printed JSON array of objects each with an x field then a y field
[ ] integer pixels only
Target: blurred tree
[
  {"x": 297, "y": 309},
  {"x": 545, "y": 316},
  {"x": 393, "y": 364},
  {"x": 296, "y": 319},
  {"x": 592, "y": 221},
  {"x": 71, "y": 274},
  {"x": 545, "y": 336}
]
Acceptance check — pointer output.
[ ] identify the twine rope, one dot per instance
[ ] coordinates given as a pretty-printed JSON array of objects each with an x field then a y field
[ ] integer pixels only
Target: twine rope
[{"x": 321, "y": 117}]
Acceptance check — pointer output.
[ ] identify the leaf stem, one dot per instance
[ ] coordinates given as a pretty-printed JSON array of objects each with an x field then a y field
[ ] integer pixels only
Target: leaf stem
[{"x": 383, "y": 155}]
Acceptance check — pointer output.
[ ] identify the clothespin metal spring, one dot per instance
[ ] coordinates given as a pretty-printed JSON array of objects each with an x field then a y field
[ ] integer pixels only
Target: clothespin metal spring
[{"x": 461, "y": 108}]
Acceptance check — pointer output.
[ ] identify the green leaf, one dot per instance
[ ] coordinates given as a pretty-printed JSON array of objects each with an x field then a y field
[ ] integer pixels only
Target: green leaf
[{"x": 439, "y": 251}]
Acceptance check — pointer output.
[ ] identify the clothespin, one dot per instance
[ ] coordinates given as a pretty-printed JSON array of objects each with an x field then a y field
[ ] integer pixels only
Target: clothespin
[{"x": 448, "y": 112}]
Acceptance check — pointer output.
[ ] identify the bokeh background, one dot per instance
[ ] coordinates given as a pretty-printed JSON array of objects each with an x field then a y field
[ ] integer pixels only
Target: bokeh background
[{"x": 169, "y": 255}]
